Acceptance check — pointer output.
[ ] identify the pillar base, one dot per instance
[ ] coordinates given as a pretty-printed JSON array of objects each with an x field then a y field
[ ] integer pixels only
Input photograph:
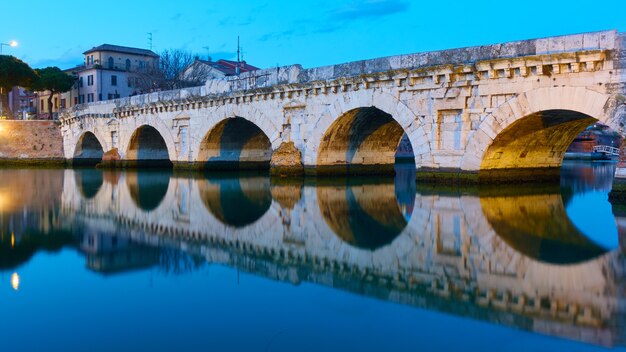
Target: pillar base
[
  {"x": 138, "y": 164},
  {"x": 618, "y": 191},
  {"x": 286, "y": 161},
  {"x": 287, "y": 171},
  {"x": 494, "y": 176},
  {"x": 351, "y": 170}
]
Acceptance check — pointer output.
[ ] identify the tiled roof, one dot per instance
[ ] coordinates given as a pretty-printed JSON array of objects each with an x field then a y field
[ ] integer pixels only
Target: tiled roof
[
  {"x": 228, "y": 67},
  {"x": 121, "y": 49}
]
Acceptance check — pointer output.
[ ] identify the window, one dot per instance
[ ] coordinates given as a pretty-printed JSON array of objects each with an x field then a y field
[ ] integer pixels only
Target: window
[
  {"x": 111, "y": 63},
  {"x": 127, "y": 64},
  {"x": 90, "y": 98},
  {"x": 113, "y": 96},
  {"x": 99, "y": 96},
  {"x": 90, "y": 80},
  {"x": 41, "y": 104},
  {"x": 80, "y": 82},
  {"x": 75, "y": 100},
  {"x": 56, "y": 103},
  {"x": 63, "y": 104},
  {"x": 81, "y": 99},
  {"x": 113, "y": 80}
]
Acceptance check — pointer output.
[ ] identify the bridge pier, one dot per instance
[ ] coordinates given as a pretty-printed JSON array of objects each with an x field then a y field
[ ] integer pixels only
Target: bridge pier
[
  {"x": 494, "y": 176},
  {"x": 618, "y": 192},
  {"x": 286, "y": 161}
]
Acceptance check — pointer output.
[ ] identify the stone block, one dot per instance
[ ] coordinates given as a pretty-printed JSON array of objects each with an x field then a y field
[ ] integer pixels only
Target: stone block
[
  {"x": 542, "y": 46},
  {"x": 574, "y": 42},
  {"x": 591, "y": 41},
  {"x": 556, "y": 44},
  {"x": 608, "y": 40}
]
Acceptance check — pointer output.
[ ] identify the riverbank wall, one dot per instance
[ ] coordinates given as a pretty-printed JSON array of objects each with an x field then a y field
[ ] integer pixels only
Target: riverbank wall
[{"x": 31, "y": 143}]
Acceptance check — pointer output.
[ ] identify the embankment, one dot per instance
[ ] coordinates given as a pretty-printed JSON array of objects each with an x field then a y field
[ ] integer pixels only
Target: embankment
[{"x": 30, "y": 143}]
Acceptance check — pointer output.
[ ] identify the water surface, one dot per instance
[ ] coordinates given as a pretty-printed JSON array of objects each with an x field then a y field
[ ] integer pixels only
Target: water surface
[{"x": 150, "y": 260}]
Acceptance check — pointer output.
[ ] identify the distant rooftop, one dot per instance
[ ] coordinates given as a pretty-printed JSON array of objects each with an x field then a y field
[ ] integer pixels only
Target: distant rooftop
[
  {"x": 228, "y": 67},
  {"x": 74, "y": 68},
  {"x": 121, "y": 49}
]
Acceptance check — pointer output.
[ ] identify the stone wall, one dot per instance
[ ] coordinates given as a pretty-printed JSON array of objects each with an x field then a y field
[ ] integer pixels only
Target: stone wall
[{"x": 26, "y": 142}]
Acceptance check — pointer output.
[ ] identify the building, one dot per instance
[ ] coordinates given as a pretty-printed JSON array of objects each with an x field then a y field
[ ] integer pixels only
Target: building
[
  {"x": 203, "y": 70},
  {"x": 112, "y": 71},
  {"x": 60, "y": 101},
  {"x": 594, "y": 135},
  {"x": 22, "y": 103}
]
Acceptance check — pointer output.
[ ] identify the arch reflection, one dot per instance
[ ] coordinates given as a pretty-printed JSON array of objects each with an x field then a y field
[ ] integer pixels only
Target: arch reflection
[
  {"x": 534, "y": 221},
  {"x": 89, "y": 182},
  {"x": 236, "y": 201},
  {"x": 148, "y": 188},
  {"x": 366, "y": 213}
]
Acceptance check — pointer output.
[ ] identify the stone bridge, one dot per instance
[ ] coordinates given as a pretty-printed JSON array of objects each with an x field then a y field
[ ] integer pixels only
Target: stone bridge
[
  {"x": 462, "y": 253},
  {"x": 495, "y": 111}
]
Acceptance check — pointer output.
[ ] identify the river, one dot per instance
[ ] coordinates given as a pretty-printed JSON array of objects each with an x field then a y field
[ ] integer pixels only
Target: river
[{"x": 96, "y": 260}]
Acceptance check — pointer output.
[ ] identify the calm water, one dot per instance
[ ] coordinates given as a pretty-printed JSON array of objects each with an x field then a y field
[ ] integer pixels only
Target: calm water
[{"x": 127, "y": 261}]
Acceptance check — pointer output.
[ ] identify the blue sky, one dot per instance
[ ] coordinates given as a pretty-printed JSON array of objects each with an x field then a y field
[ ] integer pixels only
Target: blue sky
[{"x": 311, "y": 33}]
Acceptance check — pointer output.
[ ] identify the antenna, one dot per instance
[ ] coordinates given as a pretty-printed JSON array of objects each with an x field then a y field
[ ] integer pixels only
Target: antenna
[
  {"x": 208, "y": 52},
  {"x": 238, "y": 68},
  {"x": 150, "y": 40},
  {"x": 238, "y": 49}
]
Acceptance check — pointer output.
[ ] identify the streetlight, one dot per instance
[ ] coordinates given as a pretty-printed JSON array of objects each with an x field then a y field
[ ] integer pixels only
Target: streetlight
[{"x": 12, "y": 44}]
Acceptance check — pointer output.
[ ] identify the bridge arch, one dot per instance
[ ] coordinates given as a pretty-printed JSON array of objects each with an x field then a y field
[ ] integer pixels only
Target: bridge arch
[
  {"x": 236, "y": 202},
  {"x": 235, "y": 143},
  {"x": 366, "y": 215},
  {"x": 148, "y": 147},
  {"x": 89, "y": 182},
  {"x": 375, "y": 120},
  {"x": 88, "y": 150},
  {"x": 533, "y": 130},
  {"x": 148, "y": 189},
  {"x": 250, "y": 112}
]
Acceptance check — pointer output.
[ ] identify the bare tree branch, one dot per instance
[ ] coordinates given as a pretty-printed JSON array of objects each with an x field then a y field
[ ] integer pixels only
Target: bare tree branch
[{"x": 170, "y": 72}]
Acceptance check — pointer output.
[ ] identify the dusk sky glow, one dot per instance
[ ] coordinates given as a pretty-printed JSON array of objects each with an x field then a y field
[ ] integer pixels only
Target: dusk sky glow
[{"x": 311, "y": 33}]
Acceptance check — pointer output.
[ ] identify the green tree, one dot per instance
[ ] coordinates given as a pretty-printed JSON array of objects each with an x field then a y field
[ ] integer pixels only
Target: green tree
[
  {"x": 13, "y": 72},
  {"x": 54, "y": 80}
]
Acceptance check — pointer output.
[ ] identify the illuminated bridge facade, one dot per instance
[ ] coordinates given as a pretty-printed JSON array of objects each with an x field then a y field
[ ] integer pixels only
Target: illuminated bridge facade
[{"x": 491, "y": 112}]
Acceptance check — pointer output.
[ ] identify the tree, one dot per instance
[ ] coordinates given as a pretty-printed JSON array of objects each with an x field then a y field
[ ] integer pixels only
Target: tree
[
  {"x": 170, "y": 72},
  {"x": 13, "y": 72},
  {"x": 54, "y": 80}
]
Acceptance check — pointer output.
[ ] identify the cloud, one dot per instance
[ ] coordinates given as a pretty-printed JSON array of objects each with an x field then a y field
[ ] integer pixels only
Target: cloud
[
  {"x": 62, "y": 63},
  {"x": 277, "y": 35},
  {"x": 369, "y": 9},
  {"x": 70, "y": 58},
  {"x": 339, "y": 17},
  {"x": 236, "y": 21}
]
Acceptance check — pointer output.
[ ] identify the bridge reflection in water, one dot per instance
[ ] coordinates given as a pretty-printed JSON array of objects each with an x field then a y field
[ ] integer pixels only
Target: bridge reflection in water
[{"x": 511, "y": 256}]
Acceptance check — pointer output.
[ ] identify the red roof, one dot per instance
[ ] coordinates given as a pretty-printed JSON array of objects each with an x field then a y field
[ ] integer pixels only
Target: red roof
[{"x": 228, "y": 67}]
